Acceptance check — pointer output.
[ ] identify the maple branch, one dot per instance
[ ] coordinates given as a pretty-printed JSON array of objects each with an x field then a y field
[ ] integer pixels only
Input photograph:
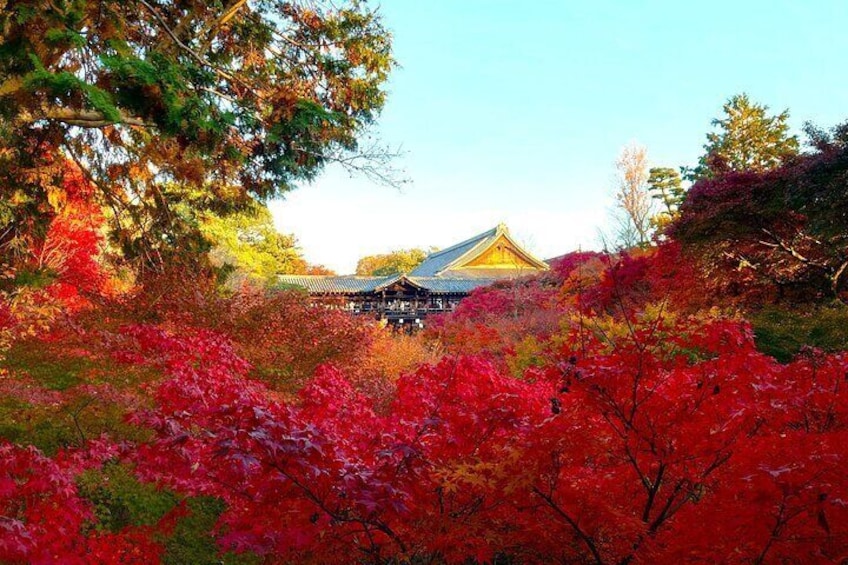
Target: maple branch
[
  {"x": 666, "y": 511},
  {"x": 778, "y": 242},
  {"x": 75, "y": 414},
  {"x": 340, "y": 517},
  {"x": 720, "y": 460},
  {"x": 620, "y": 301},
  {"x": 743, "y": 261},
  {"x": 111, "y": 199},
  {"x": 652, "y": 493},
  {"x": 230, "y": 487},
  {"x": 775, "y": 533},
  {"x": 642, "y": 478},
  {"x": 469, "y": 509},
  {"x": 655, "y": 327},
  {"x": 590, "y": 543},
  {"x": 834, "y": 280},
  {"x": 670, "y": 509}
]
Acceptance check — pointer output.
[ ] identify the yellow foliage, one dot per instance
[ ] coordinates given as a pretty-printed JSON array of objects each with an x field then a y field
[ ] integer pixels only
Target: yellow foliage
[
  {"x": 393, "y": 354},
  {"x": 528, "y": 353},
  {"x": 486, "y": 475},
  {"x": 56, "y": 197},
  {"x": 31, "y": 311}
]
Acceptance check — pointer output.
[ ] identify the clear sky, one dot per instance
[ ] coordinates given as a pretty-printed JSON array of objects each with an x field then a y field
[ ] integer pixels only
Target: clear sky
[{"x": 515, "y": 112}]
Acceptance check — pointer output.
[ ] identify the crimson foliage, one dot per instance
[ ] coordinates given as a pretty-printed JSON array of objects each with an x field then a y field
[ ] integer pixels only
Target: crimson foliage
[
  {"x": 624, "y": 454},
  {"x": 639, "y": 426},
  {"x": 782, "y": 232},
  {"x": 679, "y": 443}
]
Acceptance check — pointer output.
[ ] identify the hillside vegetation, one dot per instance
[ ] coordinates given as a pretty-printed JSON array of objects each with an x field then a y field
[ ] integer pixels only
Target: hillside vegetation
[
  {"x": 684, "y": 400},
  {"x": 665, "y": 404}
]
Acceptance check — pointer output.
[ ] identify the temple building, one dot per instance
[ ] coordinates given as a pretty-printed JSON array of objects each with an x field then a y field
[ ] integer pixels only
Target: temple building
[{"x": 436, "y": 285}]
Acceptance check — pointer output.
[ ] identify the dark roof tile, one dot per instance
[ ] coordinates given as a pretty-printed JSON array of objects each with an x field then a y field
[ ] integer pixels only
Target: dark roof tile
[
  {"x": 326, "y": 284},
  {"x": 361, "y": 285}
]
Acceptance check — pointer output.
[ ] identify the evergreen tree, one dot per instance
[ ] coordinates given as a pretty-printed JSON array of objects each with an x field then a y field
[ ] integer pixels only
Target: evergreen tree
[
  {"x": 665, "y": 185},
  {"x": 158, "y": 101},
  {"x": 748, "y": 139}
]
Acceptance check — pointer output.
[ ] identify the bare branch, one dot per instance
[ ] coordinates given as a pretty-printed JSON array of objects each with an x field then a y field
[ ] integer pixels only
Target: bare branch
[
  {"x": 11, "y": 85},
  {"x": 373, "y": 162},
  {"x": 80, "y": 118},
  {"x": 632, "y": 194},
  {"x": 778, "y": 242}
]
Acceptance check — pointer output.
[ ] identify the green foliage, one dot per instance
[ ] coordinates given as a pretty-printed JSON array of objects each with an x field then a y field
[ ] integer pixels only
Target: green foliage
[
  {"x": 120, "y": 500},
  {"x": 34, "y": 278},
  {"x": 24, "y": 13},
  {"x": 665, "y": 185},
  {"x": 395, "y": 262},
  {"x": 57, "y": 426},
  {"x": 51, "y": 372},
  {"x": 748, "y": 139},
  {"x": 55, "y": 400},
  {"x": 65, "y": 37},
  {"x": 65, "y": 84},
  {"x": 236, "y": 101},
  {"x": 529, "y": 352},
  {"x": 782, "y": 331},
  {"x": 11, "y": 428},
  {"x": 192, "y": 541},
  {"x": 23, "y": 423},
  {"x": 247, "y": 243}
]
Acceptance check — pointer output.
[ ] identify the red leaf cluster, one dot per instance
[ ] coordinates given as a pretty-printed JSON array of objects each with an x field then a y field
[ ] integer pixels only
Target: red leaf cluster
[
  {"x": 640, "y": 426},
  {"x": 623, "y": 454}
]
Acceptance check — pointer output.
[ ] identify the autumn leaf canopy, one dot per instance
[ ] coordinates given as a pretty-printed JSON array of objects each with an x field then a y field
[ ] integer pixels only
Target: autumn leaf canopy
[{"x": 202, "y": 102}]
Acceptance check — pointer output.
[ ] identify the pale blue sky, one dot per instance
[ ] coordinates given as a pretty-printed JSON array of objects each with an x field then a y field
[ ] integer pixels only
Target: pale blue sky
[{"x": 515, "y": 112}]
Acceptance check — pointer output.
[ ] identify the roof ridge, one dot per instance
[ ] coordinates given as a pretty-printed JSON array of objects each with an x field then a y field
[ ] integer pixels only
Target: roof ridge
[
  {"x": 474, "y": 251},
  {"x": 485, "y": 234},
  {"x": 353, "y": 277},
  {"x": 525, "y": 252}
]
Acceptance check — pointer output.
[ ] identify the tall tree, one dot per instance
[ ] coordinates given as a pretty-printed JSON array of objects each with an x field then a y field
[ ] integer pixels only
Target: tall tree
[
  {"x": 248, "y": 242},
  {"x": 632, "y": 198},
  {"x": 747, "y": 139},
  {"x": 395, "y": 262},
  {"x": 226, "y": 100},
  {"x": 783, "y": 230},
  {"x": 666, "y": 187}
]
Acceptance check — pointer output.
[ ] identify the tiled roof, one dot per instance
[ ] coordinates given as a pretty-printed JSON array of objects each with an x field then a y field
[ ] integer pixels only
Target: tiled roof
[
  {"x": 450, "y": 262},
  {"x": 441, "y": 260},
  {"x": 356, "y": 285},
  {"x": 442, "y": 272},
  {"x": 326, "y": 284},
  {"x": 439, "y": 285},
  {"x": 484, "y": 273}
]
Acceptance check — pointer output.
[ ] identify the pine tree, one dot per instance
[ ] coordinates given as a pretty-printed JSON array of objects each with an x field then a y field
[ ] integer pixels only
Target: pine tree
[
  {"x": 748, "y": 139},
  {"x": 665, "y": 185}
]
